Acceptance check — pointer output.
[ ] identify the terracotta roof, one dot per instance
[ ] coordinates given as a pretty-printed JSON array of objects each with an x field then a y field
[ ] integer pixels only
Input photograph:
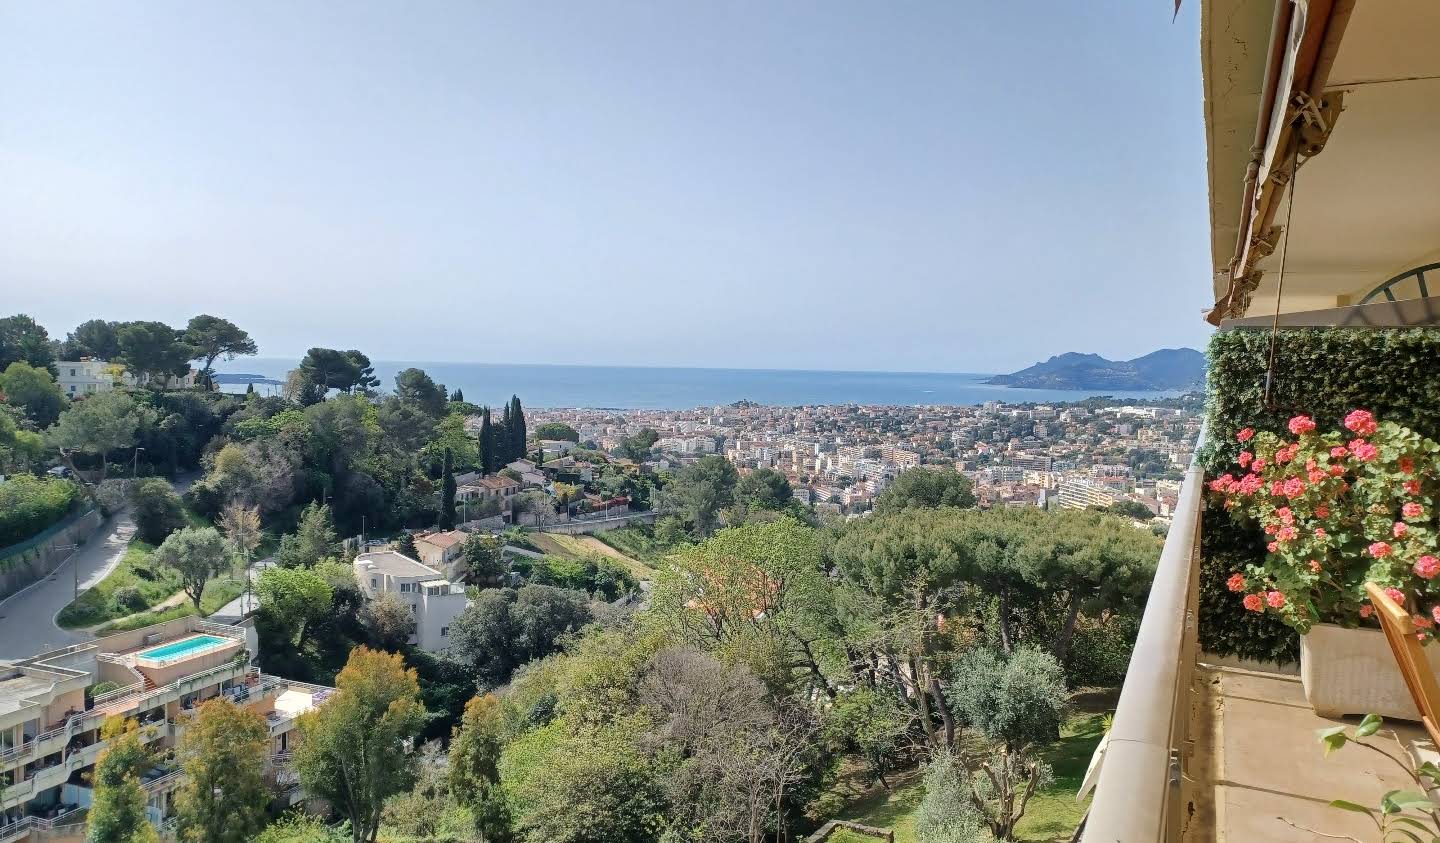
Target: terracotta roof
[
  {"x": 497, "y": 482},
  {"x": 444, "y": 540}
]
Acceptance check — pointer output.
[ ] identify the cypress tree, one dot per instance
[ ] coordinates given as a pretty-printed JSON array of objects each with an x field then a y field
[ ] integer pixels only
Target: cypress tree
[
  {"x": 447, "y": 494},
  {"x": 457, "y": 396},
  {"x": 487, "y": 443},
  {"x": 503, "y": 436},
  {"x": 517, "y": 427}
]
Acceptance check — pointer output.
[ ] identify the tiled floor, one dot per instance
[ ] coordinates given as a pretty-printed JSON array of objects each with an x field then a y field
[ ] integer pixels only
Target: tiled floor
[{"x": 1258, "y": 771}]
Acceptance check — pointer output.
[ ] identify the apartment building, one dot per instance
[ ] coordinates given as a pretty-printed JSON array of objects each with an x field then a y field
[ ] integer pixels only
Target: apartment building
[
  {"x": 78, "y": 378},
  {"x": 434, "y": 601},
  {"x": 1079, "y": 493},
  {"x": 50, "y": 717}
]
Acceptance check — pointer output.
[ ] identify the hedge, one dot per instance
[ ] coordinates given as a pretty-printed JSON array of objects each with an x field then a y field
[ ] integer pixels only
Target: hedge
[
  {"x": 29, "y": 504},
  {"x": 1324, "y": 373}
]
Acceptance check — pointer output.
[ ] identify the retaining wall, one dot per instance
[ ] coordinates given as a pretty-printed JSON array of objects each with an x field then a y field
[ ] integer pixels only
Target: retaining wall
[{"x": 35, "y": 559}]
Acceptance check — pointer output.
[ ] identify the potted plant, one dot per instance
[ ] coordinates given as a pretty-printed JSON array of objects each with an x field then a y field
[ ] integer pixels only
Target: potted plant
[{"x": 1338, "y": 509}]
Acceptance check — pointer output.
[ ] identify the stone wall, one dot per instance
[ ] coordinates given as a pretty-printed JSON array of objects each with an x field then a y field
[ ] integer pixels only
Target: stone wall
[
  {"x": 25, "y": 567},
  {"x": 835, "y": 825}
]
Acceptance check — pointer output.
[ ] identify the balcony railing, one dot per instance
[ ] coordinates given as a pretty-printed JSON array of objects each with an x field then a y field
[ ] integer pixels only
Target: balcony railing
[{"x": 1137, "y": 795}]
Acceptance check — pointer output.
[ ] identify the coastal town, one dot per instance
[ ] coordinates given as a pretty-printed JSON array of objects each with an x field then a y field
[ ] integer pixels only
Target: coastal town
[{"x": 838, "y": 458}]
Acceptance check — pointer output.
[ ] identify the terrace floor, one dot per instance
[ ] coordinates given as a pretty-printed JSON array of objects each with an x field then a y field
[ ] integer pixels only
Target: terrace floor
[{"x": 1258, "y": 771}]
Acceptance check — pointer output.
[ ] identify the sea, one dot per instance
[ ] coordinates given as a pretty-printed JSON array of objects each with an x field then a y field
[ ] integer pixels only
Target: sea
[{"x": 670, "y": 388}]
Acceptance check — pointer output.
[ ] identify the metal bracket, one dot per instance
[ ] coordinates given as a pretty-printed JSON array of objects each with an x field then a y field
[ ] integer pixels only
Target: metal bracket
[{"x": 1314, "y": 121}]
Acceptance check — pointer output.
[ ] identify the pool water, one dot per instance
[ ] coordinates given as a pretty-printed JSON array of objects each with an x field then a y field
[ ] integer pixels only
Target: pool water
[{"x": 183, "y": 647}]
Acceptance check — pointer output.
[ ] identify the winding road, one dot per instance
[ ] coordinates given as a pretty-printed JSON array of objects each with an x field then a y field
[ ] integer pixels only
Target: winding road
[{"x": 27, "y": 618}]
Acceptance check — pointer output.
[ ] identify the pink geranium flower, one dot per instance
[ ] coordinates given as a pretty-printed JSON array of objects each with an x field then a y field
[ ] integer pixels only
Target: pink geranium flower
[
  {"x": 1427, "y": 567},
  {"x": 1363, "y": 451},
  {"x": 1412, "y": 510},
  {"x": 1339, "y": 452},
  {"x": 1258, "y": 464},
  {"x": 1245, "y": 458},
  {"x": 1301, "y": 424},
  {"x": 1245, "y": 435},
  {"x": 1367, "y": 610},
  {"x": 1250, "y": 484},
  {"x": 1407, "y": 465},
  {"x": 1411, "y": 487},
  {"x": 1285, "y": 534},
  {"x": 1274, "y": 599},
  {"x": 1379, "y": 550},
  {"x": 1361, "y": 422},
  {"x": 1294, "y": 487},
  {"x": 1400, "y": 529},
  {"x": 1272, "y": 546},
  {"x": 1336, "y": 471},
  {"x": 1315, "y": 565},
  {"x": 1254, "y": 603},
  {"x": 1322, "y": 511},
  {"x": 1395, "y": 594},
  {"x": 1320, "y": 533},
  {"x": 1422, "y": 622},
  {"x": 1435, "y": 613},
  {"x": 1236, "y": 582}
]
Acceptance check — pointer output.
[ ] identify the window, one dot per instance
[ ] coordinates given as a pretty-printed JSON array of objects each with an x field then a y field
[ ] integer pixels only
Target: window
[
  {"x": 374, "y": 582},
  {"x": 72, "y": 373},
  {"x": 404, "y": 588},
  {"x": 444, "y": 632}
]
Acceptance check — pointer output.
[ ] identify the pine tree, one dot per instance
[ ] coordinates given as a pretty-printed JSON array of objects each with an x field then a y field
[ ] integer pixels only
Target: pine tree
[
  {"x": 516, "y": 427},
  {"x": 447, "y": 494},
  {"x": 406, "y": 545},
  {"x": 487, "y": 443},
  {"x": 250, "y": 390},
  {"x": 457, "y": 396}
]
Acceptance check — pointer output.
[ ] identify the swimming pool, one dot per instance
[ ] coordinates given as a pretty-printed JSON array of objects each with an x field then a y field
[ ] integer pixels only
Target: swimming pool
[{"x": 183, "y": 648}]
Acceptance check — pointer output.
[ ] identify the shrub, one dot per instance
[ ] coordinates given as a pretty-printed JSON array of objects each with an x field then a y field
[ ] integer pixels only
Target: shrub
[
  {"x": 1324, "y": 373},
  {"x": 28, "y": 505},
  {"x": 1338, "y": 510},
  {"x": 1018, "y": 700},
  {"x": 946, "y": 813},
  {"x": 1099, "y": 655},
  {"x": 157, "y": 510},
  {"x": 126, "y": 599}
]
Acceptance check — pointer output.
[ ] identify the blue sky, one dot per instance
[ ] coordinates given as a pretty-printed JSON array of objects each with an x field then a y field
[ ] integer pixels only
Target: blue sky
[{"x": 839, "y": 185}]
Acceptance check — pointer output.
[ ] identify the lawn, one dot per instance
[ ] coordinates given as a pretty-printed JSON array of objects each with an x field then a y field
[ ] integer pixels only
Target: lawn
[
  {"x": 636, "y": 543},
  {"x": 1051, "y": 815},
  {"x": 154, "y": 583},
  {"x": 217, "y": 593},
  {"x": 583, "y": 546}
]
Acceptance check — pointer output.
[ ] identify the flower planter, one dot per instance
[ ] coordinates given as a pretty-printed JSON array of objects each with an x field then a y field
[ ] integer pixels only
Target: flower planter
[{"x": 1353, "y": 671}]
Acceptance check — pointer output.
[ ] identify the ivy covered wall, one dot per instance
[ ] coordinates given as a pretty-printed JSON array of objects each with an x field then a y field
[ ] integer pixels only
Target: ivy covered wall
[{"x": 1324, "y": 373}]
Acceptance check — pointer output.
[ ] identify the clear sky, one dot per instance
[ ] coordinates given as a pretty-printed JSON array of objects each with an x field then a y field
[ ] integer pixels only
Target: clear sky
[{"x": 943, "y": 186}]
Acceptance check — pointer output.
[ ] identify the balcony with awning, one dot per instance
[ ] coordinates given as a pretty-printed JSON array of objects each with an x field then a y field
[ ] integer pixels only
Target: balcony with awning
[{"x": 1323, "y": 137}]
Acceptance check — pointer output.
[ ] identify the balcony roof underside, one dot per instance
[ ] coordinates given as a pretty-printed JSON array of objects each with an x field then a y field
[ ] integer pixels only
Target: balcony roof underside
[{"x": 1367, "y": 207}]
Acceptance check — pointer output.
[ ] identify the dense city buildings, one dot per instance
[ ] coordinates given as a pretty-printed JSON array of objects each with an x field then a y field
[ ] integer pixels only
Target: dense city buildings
[{"x": 839, "y": 457}]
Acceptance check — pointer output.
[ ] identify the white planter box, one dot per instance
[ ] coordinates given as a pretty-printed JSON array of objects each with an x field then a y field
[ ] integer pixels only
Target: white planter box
[{"x": 1353, "y": 671}]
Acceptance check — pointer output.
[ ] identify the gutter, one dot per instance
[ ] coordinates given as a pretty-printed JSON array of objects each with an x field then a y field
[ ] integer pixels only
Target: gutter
[{"x": 1324, "y": 23}]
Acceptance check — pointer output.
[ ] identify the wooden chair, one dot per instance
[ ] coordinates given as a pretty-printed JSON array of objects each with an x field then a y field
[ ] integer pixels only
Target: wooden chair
[{"x": 1400, "y": 632}]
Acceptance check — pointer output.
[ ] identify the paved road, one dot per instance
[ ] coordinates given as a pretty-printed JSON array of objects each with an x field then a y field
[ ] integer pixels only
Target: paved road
[
  {"x": 27, "y": 618},
  {"x": 245, "y": 603}
]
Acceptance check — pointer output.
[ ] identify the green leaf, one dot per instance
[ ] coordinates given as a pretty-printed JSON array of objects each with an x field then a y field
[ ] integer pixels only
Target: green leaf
[
  {"x": 1407, "y": 800},
  {"x": 1429, "y": 770},
  {"x": 1351, "y": 806},
  {"x": 1368, "y": 726}
]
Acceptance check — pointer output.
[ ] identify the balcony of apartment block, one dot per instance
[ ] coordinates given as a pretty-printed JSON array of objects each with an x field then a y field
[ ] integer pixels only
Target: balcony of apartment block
[{"x": 1210, "y": 746}]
